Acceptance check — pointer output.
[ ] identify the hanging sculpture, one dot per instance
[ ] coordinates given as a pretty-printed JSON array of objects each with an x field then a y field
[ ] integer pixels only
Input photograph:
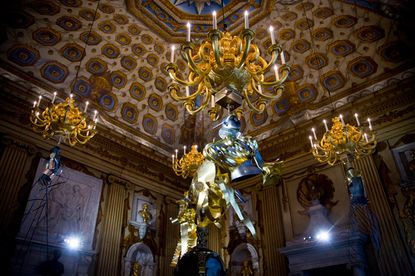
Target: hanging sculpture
[{"x": 232, "y": 158}]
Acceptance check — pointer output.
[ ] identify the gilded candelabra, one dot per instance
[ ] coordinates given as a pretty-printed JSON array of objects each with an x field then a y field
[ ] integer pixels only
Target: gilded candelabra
[
  {"x": 63, "y": 120},
  {"x": 226, "y": 71},
  {"x": 342, "y": 140},
  {"x": 188, "y": 164}
]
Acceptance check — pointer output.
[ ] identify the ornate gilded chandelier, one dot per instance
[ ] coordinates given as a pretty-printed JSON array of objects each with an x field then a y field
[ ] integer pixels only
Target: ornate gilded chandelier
[
  {"x": 226, "y": 71},
  {"x": 63, "y": 120},
  {"x": 342, "y": 140},
  {"x": 187, "y": 165}
]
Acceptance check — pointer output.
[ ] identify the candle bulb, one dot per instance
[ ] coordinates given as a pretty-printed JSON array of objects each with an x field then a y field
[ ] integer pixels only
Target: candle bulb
[
  {"x": 184, "y": 150},
  {"x": 38, "y": 103},
  {"x": 54, "y": 96},
  {"x": 172, "y": 53},
  {"x": 357, "y": 119},
  {"x": 188, "y": 31},
  {"x": 282, "y": 57},
  {"x": 86, "y": 106},
  {"x": 95, "y": 115},
  {"x": 341, "y": 119},
  {"x": 215, "y": 24},
  {"x": 325, "y": 125},
  {"x": 34, "y": 104},
  {"x": 212, "y": 101},
  {"x": 311, "y": 140},
  {"x": 246, "y": 20},
  {"x": 314, "y": 133},
  {"x": 176, "y": 152},
  {"x": 187, "y": 91},
  {"x": 277, "y": 75},
  {"x": 365, "y": 135},
  {"x": 370, "y": 124},
  {"x": 172, "y": 158},
  {"x": 37, "y": 114},
  {"x": 271, "y": 31}
]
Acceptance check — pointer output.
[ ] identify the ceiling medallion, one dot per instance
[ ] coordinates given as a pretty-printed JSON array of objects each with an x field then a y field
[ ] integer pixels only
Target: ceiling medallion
[{"x": 226, "y": 72}]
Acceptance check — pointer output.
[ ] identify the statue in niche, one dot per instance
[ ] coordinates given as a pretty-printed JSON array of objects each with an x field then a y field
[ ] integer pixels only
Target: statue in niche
[
  {"x": 135, "y": 269},
  {"x": 246, "y": 269},
  {"x": 145, "y": 214}
]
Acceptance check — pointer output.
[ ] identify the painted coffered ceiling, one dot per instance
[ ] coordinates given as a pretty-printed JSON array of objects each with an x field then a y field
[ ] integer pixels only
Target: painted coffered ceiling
[{"x": 335, "y": 49}]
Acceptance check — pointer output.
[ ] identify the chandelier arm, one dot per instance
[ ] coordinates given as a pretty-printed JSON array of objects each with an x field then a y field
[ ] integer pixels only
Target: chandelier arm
[
  {"x": 189, "y": 104},
  {"x": 191, "y": 63},
  {"x": 247, "y": 35},
  {"x": 285, "y": 73},
  {"x": 280, "y": 89},
  {"x": 172, "y": 75},
  {"x": 251, "y": 105},
  {"x": 214, "y": 36},
  {"x": 173, "y": 92},
  {"x": 274, "y": 50}
]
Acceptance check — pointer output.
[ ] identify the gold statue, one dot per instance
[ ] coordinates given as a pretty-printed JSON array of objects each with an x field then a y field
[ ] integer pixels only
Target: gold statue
[
  {"x": 186, "y": 218},
  {"x": 145, "y": 213},
  {"x": 135, "y": 269},
  {"x": 246, "y": 269}
]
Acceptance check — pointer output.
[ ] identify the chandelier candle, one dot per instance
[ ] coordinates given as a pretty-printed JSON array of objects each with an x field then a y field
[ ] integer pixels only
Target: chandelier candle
[
  {"x": 246, "y": 20},
  {"x": 54, "y": 97},
  {"x": 38, "y": 103},
  {"x": 277, "y": 75},
  {"x": 86, "y": 106},
  {"x": 325, "y": 125},
  {"x": 188, "y": 31},
  {"x": 172, "y": 53},
  {"x": 370, "y": 124},
  {"x": 357, "y": 119},
  {"x": 311, "y": 141},
  {"x": 187, "y": 91},
  {"x": 341, "y": 119},
  {"x": 271, "y": 31},
  {"x": 282, "y": 57},
  {"x": 215, "y": 24},
  {"x": 34, "y": 104},
  {"x": 314, "y": 133}
]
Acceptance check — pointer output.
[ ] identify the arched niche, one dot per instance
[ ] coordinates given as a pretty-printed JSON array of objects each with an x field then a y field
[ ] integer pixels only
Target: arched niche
[
  {"x": 139, "y": 253},
  {"x": 244, "y": 252}
]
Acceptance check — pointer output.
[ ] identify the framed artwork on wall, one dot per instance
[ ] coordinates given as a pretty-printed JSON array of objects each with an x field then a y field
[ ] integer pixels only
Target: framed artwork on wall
[
  {"x": 70, "y": 208},
  {"x": 405, "y": 161}
]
